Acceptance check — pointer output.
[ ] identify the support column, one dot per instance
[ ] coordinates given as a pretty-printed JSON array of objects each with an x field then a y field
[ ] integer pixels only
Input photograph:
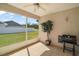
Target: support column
[{"x": 26, "y": 28}]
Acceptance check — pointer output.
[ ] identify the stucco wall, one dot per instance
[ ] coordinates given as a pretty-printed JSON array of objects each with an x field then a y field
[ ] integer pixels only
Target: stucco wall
[{"x": 65, "y": 22}]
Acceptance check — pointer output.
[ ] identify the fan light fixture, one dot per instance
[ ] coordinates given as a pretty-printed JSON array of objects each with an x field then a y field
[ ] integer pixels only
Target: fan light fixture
[{"x": 37, "y": 6}]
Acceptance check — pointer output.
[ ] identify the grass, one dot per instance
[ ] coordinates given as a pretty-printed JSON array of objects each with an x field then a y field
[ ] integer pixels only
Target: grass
[
  {"x": 32, "y": 35},
  {"x": 8, "y": 39}
]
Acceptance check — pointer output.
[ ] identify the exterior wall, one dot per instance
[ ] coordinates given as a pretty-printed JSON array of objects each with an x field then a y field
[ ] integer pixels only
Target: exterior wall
[
  {"x": 11, "y": 29},
  {"x": 61, "y": 25},
  {"x": 2, "y": 25}
]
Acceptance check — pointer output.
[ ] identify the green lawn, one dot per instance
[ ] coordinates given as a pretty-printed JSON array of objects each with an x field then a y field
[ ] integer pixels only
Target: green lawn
[
  {"x": 8, "y": 39},
  {"x": 32, "y": 35}
]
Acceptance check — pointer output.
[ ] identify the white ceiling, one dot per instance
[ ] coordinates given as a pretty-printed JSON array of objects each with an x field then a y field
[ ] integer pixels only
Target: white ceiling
[{"x": 50, "y": 7}]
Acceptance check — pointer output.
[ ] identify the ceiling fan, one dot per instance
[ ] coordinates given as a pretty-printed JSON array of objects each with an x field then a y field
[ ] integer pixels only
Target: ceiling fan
[{"x": 37, "y": 6}]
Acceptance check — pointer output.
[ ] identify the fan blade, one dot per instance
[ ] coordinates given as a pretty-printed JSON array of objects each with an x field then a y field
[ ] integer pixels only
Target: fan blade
[
  {"x": 42, "y": 8},
  {"x": 28, "y": 5},
  {"x": 34, "y": 8}
]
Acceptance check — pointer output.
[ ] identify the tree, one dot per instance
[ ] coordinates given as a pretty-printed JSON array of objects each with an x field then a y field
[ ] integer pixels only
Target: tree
[{"x": 47, "y": 27}]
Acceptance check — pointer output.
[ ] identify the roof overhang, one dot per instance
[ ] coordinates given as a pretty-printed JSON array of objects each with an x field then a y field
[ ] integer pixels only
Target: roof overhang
[{"x": 9, "y": 8}]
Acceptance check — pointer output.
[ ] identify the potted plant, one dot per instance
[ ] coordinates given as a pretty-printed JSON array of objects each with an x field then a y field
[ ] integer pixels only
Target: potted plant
[{"x": 47, "y": 27}]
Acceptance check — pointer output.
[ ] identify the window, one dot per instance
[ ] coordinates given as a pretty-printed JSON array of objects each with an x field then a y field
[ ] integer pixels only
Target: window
[{"x": 12, "y": 28}]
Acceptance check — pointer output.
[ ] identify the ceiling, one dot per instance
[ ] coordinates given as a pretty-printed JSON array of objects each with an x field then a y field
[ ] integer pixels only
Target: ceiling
[{"x": 49, "y": 7}]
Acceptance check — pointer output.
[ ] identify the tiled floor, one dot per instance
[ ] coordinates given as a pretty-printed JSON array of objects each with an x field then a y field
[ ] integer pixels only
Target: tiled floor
[
  {"x": 39, "y": 49},
  {"x": 54, "y": 51},
  {"x": 34, "y": 50}
]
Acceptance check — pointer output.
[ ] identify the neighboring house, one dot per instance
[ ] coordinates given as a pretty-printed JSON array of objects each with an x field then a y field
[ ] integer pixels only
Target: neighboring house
[
  {"x": 11, "y": 27},
  {"x": 12, "y": 24},
  {"x": 2, "y": 24}
]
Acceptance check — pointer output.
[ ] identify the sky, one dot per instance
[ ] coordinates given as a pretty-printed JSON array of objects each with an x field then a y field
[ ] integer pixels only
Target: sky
[
  {"x": 32, "y": 21},
  {"x": 8, "y": 16}
]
